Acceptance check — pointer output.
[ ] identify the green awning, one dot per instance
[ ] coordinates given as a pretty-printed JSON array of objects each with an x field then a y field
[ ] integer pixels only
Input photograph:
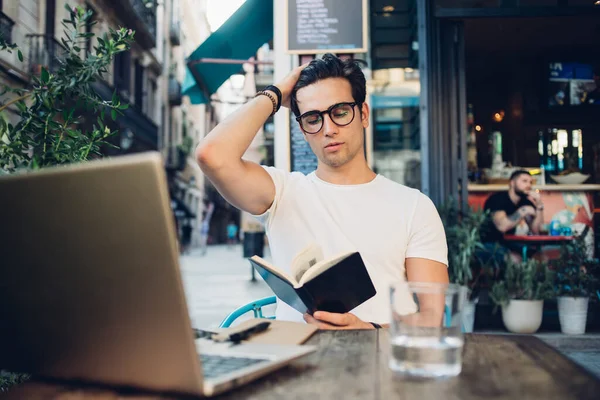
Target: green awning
[{"x": 238, "y": 38}]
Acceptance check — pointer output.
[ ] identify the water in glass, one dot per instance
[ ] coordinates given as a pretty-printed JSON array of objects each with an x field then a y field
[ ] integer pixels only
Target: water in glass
[{"x": 426, "y": 337}]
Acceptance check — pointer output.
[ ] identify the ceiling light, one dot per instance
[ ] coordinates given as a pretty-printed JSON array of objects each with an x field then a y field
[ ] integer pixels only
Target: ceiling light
[
  {"x": 498, "y": 116},
  {"x": 391, "y": 8}
]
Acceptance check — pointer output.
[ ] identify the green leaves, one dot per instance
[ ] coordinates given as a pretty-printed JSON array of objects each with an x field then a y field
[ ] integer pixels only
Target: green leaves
[
  {"x": 8, "y": 379},
  {"x": 53, "y": 116},
  {"x": 9, "y": 47},
  {"x": 463, "y": 239},
  {"x": 576, "y": 274},
  {"x": 45, "y": 76},
  {"x": 529, "y": 280}
]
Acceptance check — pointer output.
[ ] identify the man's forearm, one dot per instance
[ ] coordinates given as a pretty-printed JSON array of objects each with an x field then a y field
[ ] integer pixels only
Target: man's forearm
[
  {"x": 510, "y": 222},
  {"x": 229, "y": 140},
  {"x": 537, "y": 222}
]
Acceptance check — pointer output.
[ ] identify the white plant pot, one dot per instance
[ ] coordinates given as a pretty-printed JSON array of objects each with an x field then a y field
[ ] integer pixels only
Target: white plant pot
[
  {"x": 468, "y": 316},
  {"x": 572, "y": 314},
  {"x": 523, "y": 316}
]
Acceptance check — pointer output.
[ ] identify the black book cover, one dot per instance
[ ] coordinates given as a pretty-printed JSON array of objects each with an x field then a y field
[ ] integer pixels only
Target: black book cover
[{"x": 339, "y": 289}]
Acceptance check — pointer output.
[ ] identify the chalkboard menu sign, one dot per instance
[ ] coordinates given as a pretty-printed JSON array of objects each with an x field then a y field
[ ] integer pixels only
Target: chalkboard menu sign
[
  {"x": 302, "y": 157},
  {"x": 326, "y": 26}
]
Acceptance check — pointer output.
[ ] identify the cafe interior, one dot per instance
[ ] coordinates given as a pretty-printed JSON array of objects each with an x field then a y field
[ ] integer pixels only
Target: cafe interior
[
  {"x": 533, "y": 98},
  {"x": 532, "y": 101},
  {"x": 533, "y": 95}
]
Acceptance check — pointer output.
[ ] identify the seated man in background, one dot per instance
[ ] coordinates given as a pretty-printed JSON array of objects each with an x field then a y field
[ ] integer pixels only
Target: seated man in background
[{"x": 517, "y": 211}]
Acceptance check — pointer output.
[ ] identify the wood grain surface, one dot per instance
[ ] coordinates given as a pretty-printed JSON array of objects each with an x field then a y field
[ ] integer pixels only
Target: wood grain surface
[{"x": 354, "y": 365}]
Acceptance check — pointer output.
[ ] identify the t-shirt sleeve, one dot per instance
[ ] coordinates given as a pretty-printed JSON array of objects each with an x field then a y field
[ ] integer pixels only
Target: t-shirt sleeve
[
  {"x": 280, "y": 179},
  {"x": 427, "y": 238},
  {"x": 493, "y": 203}
]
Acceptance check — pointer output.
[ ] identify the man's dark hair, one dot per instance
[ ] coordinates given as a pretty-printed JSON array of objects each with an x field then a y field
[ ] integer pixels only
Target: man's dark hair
[
  {"x": 331, "y": 66},
  {"x": 518, "y": 173}
]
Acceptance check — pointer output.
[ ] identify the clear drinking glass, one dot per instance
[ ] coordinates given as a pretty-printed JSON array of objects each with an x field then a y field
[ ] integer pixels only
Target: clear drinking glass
[{"x": 425, "y": 333}]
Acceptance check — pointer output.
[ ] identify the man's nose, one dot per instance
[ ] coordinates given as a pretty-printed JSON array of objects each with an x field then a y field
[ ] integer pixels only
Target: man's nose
[{"x": 329, "y": 127}]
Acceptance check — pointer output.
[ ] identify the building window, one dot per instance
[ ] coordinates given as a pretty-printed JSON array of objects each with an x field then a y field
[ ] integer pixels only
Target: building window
[
  {"x": 184, "y": 125},
  {"x": 163, "y": 124},
  {"x": 6, "y": 26},
  {"x": 50, "y": 17},
  {"x": 151, "y": 99},
  {"x": 122, "y": 72},
  {"x": 139, "y": 85}
]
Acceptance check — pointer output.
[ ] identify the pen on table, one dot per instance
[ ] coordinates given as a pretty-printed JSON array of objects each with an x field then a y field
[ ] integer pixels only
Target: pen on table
[{"x": 245, "y": 334}]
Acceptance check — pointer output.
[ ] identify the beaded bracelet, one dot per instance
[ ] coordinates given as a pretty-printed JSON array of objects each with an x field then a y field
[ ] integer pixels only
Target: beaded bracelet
[
  {"x": 277, "y": 92},
  {"x": 270, "y": 96}
]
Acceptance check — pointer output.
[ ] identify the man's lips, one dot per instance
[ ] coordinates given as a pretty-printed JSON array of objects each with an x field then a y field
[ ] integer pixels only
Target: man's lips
[{"x": 334, "y": 144}]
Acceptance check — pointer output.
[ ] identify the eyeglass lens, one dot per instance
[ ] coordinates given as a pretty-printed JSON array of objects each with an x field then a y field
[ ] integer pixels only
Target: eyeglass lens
[{"x": 341, "y": 114}]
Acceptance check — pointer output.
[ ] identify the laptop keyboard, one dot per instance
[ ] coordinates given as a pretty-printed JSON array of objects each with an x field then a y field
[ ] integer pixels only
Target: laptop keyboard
[{"x": 214, "y": 366}]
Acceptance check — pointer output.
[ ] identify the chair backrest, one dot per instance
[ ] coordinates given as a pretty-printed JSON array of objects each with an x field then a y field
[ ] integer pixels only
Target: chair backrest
[{"x": 255, "y": 306}]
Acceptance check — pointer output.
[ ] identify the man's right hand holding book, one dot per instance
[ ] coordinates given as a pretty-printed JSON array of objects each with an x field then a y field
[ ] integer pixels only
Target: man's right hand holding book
[{"x": 327, "y": 320}]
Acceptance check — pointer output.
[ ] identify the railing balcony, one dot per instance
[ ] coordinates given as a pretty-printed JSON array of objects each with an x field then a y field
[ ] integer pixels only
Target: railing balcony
[
  {"x": 6, "y": 26},
  {"x": 44, "y": 51},
  {"x": 146, "y": 11},
  {"x": 139, "y": 15},
  {"x": 174, "y": 91},
  {"x": 175, "y": 33}
]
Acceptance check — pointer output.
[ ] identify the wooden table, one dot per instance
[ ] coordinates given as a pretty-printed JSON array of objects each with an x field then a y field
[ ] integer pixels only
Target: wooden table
[
  {"x": 353, "y": 365},
  {"x": 539, "y": 240}
]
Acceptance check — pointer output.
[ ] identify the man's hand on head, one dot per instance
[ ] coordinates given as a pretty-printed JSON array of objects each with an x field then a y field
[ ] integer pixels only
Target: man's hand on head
[
  {"x": 286, "y": 85},
  {"x": 327, "y": 320}
]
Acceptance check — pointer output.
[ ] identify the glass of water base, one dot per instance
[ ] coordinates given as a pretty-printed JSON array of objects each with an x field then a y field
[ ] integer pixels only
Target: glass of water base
[{"x": 425, "y": 333}]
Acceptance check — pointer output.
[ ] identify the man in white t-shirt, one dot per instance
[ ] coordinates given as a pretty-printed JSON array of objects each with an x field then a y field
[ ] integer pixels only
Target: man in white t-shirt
[{"x": 343, "y": 205}]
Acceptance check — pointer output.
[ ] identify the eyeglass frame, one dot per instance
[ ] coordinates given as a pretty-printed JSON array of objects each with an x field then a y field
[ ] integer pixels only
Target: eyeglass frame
[{"x": 328, "y": 112}]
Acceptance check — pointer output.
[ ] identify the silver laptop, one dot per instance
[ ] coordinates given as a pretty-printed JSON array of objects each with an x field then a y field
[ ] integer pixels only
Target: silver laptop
[{"x": 90, "y": 286}]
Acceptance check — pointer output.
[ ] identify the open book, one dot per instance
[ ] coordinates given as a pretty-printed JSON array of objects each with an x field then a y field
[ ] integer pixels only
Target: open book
[{"x": 337, "y": 284}]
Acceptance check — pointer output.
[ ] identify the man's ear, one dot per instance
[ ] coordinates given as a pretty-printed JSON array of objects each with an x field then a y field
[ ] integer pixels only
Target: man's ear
[{"x": 364, "y": 115}]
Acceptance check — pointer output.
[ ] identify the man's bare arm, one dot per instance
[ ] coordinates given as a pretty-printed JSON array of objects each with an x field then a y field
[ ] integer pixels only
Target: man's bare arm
[
  {"x": 536, "y": 223},
  {"x": 244, "y": 184},
  {"x": 431, "y": 306},
  {"x": 505, "y": 222}
]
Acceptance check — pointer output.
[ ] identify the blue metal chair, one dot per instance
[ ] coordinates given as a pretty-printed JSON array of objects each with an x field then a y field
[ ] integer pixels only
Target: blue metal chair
[{"x": 255, "y": 306}]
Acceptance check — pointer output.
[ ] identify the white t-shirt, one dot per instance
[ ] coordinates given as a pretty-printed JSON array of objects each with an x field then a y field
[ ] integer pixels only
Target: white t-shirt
[{"x": 385, "y": 221}]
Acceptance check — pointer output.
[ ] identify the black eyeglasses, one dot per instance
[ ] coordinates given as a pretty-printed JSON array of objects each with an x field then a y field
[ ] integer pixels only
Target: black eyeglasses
[{"x": 341, "y": 114}]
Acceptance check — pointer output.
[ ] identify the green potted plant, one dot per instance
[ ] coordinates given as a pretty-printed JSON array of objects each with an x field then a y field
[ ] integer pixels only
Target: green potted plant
[
  {"x": 50, "y": 126},
  {"x": 521, "y": 291},
  {"x": 576, "y": 281},
  {"x": 465, "y": 267}
]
